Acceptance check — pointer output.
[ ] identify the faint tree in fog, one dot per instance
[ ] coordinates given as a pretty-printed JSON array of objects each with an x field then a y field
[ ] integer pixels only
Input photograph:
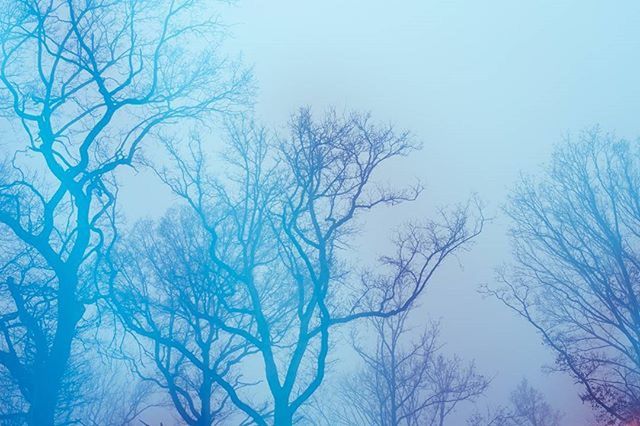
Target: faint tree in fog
[
  {"x": 576, "y": 236},
  {"x": 406, "y": 381},
  {"x": 527, "y": 408},
  {"x": 114, "y": 399},
  {"x": 530, "y": 408},
  {"x": 83, "y": 83},
  {"x": 278, "y": 222},
  {"x": 168, "y": 297}
]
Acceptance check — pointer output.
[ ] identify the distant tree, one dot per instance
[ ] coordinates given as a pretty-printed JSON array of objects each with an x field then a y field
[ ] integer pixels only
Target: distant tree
[
  {"x": 168, "y": 298},
  {"x": 576, "y": 236},
  {"x": 278, "y": 221},
  {"x": 115, "y": 399},
  {"x": 530, "y": 407},
  {"x": 405, "y": 381},
  {"x": 527, "y": 408},
  {"x": 82, "y": 84}
]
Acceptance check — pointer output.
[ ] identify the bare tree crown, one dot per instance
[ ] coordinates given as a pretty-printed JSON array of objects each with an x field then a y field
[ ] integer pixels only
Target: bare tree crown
[{"x": 575, "y": 234}]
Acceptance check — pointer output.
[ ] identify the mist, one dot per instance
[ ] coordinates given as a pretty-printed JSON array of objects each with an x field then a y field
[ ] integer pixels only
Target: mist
[{"x": 188, "y": 143}]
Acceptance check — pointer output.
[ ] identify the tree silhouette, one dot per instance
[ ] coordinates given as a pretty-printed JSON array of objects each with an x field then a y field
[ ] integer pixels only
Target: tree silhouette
[
  {"x": 277, "y": 224},
  {"x": 83, "y": 84},
  {"x": 406, "y": 381},
  {"x": 575, "y": 277},
  {"x": 527, "y": 408},
  {"x": 168, "y": 298}
]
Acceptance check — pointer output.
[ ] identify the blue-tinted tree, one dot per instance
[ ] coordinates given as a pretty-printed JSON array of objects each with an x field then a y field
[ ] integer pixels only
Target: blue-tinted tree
[
  {"x": 527, "y": 407},
  {"x": 279, "y": 221},
  {"x": 82, "y": 85},
  {"x": 576, "y": 235},
  {"x": 168, "y": 297},
  {"x": 406, "y": 381}
]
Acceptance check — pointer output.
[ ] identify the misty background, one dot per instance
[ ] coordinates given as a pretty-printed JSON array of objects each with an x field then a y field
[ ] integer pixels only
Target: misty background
[{"x": 488, "y": 88}]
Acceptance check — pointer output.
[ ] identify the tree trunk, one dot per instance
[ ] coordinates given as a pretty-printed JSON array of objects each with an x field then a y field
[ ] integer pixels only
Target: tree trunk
[
  {"x": 205, "y": 399},
  {"x": 43, "y": 403},
  {"x": 282, "y": 416},
  {"x": 49, "y": 375}
]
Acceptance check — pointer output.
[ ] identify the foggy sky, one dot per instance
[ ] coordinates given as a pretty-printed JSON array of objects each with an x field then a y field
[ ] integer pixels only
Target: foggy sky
[{"x": 488, "y": 87}]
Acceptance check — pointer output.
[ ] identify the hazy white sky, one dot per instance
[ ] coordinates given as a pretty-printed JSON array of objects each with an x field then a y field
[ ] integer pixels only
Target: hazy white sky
[{"x": 488, "y": 87}]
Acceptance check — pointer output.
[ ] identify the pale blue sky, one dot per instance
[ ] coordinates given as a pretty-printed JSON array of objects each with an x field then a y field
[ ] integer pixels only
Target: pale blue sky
[{"x": 488, "y": 87}]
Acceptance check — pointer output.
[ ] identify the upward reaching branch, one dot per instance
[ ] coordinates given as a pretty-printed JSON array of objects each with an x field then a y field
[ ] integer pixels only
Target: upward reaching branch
[
  {"x": 87, "y": 81},
  {"x": 277, "y": 222},
  {"x": 575, "y": 278}
]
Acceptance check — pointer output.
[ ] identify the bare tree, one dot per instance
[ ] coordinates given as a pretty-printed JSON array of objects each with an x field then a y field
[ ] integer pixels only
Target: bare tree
[
  {"x": 278, "y": 223},
  {"x": 527, "y": 408},
  {"x": 405, "y": 381},
  {"x": 83, "y": 83},
  {"x": 575, "y": 279},
  {"x": 115, "y": 399},
  {"x": 168, "y": 297}
]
